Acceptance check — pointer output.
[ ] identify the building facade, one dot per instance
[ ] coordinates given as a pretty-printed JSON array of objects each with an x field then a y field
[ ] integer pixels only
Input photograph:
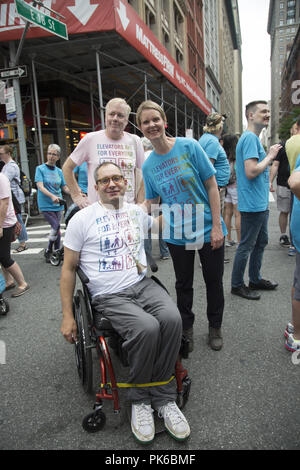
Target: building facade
[
  {"x": 290, "y": 91},
  {"x": 283, "y": 23},
  {"x": 230, "y": 65},
  {"x": 212, "y": 57}
]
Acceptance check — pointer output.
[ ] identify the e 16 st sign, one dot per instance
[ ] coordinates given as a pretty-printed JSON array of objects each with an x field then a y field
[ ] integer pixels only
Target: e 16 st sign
[{"x": 33, "y": 15}]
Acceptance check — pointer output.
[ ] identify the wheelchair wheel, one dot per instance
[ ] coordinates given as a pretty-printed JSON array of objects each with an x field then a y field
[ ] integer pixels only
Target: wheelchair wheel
[
  {"x": 83, "y": 351},
  {"x": 94, "y": 422},
  {"x": 55, "y": 258},
  {"x": 4, "y": 306}
]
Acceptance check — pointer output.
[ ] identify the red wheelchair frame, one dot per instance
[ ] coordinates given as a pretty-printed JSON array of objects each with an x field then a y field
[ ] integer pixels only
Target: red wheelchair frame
[{"x": 90, "y": 336}]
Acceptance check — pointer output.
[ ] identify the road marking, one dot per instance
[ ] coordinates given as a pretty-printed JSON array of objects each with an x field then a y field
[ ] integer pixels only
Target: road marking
[{"x": 29, "y": 251}]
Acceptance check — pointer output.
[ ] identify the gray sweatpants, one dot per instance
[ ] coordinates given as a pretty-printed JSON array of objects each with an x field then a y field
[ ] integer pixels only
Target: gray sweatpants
[{"x": 148, "y": 320}]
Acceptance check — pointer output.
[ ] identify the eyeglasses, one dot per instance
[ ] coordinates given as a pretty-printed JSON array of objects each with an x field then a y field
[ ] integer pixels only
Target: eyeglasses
[
  {"x": 52, "y": 154},
  {"x": 106, "y": 181}
]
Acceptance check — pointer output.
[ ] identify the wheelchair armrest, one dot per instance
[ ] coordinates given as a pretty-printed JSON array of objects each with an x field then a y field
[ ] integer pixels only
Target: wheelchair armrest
[{"x": 84, "y": 279}]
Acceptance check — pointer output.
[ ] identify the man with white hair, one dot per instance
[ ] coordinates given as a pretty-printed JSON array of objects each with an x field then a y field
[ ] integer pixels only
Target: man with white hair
[{"x": 111, "y": 144}]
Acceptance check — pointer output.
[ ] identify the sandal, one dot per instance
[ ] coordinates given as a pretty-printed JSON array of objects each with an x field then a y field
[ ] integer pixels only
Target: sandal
[
  {"x": 20, "y": 249},
  {"x": 10, "y": 286},
  {"x": 20, "y": 291}
]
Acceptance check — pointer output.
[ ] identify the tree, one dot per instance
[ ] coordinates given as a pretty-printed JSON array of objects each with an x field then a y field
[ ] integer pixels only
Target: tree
[{"x": 287, "y": 122}]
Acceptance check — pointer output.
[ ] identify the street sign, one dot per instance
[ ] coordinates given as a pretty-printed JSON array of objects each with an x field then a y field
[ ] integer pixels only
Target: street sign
[
  {"x": 14, "y": 72},
  {"x": 35, "y": 16}
]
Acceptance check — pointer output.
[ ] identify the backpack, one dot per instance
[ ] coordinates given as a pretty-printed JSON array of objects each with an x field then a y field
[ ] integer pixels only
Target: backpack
[{"x": 25, "y": 184}]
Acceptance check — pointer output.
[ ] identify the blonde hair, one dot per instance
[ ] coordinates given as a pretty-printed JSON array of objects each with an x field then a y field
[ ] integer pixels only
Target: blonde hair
[
  {"x": 120, "y": 101},
  {"x": 149, "y": 105},
  {"x": 214, "y": 123},
  {"x": 8, "y": 149}
]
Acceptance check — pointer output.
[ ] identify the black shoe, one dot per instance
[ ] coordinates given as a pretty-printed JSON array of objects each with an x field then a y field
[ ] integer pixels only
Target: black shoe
[
  {"x": 245, "y": 292},
  {"x": 47, "y": 255},
  {"x": 215, "y": 339},
  {"x": 284, "y": 240},
  {"x": 263, "y": 284}
]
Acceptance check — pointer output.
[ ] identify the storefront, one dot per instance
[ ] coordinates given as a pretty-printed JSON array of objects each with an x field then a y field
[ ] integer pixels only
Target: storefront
[{"x": 110, "y": 52}]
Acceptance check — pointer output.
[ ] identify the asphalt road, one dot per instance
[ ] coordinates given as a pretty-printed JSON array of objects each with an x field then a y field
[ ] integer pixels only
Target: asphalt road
[{"x": 244, "y": 397}]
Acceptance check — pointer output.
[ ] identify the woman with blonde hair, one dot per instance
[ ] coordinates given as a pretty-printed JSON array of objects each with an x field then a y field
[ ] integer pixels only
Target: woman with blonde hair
[
  {"x": 210, "y": 142},
  {"x": 180, "y": 173}
]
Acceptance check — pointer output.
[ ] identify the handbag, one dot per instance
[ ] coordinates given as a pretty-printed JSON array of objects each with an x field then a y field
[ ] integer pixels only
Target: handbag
[{"x": 16, "y": 232}]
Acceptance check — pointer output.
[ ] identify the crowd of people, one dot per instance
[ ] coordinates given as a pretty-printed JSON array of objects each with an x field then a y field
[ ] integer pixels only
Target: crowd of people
[{"x": 197, "y": 188}]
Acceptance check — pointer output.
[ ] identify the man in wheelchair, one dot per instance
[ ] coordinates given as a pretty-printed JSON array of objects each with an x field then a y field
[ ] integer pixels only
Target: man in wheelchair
[{"x": 106, "y": 241}]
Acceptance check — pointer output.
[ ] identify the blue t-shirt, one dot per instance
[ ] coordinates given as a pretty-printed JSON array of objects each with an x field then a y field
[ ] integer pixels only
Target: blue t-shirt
[
  {"x": 53, "y": 180},
  {"x": 81, "y": 171},
  {"x": 178, "y": 178},
  {"x": 295, "y": 218},
  {"x": 253, "y": 194},
  {"x": 214, "y": 150}
]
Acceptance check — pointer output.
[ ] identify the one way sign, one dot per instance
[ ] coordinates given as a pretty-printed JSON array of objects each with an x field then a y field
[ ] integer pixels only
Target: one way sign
[{"x": 14, "y": 72}]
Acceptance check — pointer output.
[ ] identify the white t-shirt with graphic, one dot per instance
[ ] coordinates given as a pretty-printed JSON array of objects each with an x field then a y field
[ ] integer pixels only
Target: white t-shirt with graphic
[
  {"x": 96, "y": 148},
  {"x": 110, "y": 243}
]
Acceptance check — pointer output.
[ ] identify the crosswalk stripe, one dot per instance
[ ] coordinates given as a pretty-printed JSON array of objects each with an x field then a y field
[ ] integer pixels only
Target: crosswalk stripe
[
  {"x": 29, "y": 251},
  {"x": 35, "y": 235}
]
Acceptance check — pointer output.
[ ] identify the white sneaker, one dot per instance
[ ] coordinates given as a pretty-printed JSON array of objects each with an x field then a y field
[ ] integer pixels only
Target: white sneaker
[
  {"x": 175, "y": 421},
  {"x": 142, "y": 423},
  {"x": 292, "y": 344},
  {"x": 289, "y": 330}
]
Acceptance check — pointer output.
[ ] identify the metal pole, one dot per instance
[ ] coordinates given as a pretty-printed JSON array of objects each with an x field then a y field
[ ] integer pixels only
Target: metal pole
[
  {"x": 92, "y": 106},
  {"x": 19, "y": 113},
  {"x": 176, "y": 117},
  {"x": 38, "y": 116},
  {"x": 162, "y": 94},
  {"x": 100, "y": 90},
  {"x": 146, "y": 87}
]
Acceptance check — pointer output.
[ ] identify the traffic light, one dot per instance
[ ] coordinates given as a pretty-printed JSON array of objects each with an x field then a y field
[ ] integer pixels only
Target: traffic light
[{"x": 7, "y": 133}]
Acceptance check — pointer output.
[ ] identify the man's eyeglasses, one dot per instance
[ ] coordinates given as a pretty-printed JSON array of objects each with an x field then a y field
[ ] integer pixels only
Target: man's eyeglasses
[{"x": 105, "y": 181}]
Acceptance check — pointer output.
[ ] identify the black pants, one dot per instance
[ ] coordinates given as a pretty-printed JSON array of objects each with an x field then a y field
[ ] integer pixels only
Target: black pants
[
  {"x": 5, "y": 244},
  {"x": 213, "y": 268}
]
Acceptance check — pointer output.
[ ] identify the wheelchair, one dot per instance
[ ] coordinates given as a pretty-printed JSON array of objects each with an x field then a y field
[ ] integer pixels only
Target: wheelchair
[
  {"x": 58, "y": 255},
  {"x": 98, "y": 334}
]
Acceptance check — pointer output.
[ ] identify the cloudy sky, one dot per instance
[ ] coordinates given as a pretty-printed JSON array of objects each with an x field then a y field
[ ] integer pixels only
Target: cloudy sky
[{"x": 255, "y": 50}]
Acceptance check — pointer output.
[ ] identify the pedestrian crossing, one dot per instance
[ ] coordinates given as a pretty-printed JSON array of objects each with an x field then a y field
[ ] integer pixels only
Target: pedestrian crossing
[{"x": 37, "y": 234}]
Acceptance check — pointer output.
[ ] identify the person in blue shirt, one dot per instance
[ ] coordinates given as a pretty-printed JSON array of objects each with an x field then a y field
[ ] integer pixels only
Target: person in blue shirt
[
  {"x": 210, "y": 143},
  {"x": 50, "y": 182},
  {"x": 292, "y": 332},
  {"x": 82, "y": 177},
  {"x": 252, "y": 171},
  {"x": 180, "y": 173}
]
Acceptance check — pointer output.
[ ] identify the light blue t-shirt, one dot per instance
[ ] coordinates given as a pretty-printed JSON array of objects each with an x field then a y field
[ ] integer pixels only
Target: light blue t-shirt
[
  {"x": 214, "y": 150},
  {"x": 81, "y": 171},
  {"x": 253, "y": 194},
  {"x": 53, "y": 180},
  {"x": 295, "y": 218},
  {"x": 178, "y": 178}
]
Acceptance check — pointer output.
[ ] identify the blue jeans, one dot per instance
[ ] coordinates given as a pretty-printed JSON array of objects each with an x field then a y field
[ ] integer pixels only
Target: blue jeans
[
  {"x": 254, "y": 239},
  {"x": 23, "y": 237}
]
